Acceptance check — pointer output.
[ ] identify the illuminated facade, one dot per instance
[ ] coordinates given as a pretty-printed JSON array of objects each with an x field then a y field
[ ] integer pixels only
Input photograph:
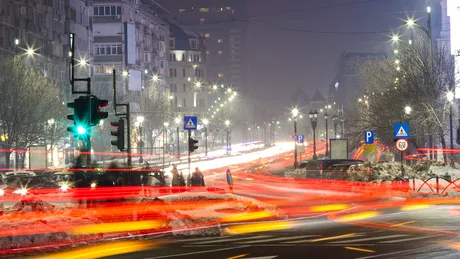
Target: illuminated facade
[{"x": 451, "y": 34}]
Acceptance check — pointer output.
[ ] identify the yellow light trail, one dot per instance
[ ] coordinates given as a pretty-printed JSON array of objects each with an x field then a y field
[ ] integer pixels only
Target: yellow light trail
[
  {"x": 331, "y": 207},
  {"x": 259, "y": 227},
  {"x": 333, "y": 237},
  {"x": 117, "y": 227},
  {"x": 359, "y": 249},
  {"x": 402, "y": 223}
]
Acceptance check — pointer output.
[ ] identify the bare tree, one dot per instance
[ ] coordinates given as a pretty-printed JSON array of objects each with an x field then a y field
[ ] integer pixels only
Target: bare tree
[
  {"x": 410, "y": 86},
  {"x": 27, "y": 102}
]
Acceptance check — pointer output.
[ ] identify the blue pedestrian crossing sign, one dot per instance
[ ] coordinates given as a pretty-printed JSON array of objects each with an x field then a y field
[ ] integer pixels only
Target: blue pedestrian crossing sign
[
  {"x": 190, "y": 122},
  {"x": 401, "y": 130},
  {"x": 369, "y": 137}
]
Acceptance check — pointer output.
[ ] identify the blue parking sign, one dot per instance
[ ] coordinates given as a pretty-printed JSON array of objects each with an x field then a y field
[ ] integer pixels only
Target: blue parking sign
[{"x": 369, "y": 137}]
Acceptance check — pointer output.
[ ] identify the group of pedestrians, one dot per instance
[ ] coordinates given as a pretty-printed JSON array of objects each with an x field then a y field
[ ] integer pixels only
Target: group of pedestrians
[{"x": 197, "y": 178}]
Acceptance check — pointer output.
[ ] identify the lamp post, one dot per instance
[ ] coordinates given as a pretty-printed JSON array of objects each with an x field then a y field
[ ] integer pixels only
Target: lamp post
[
  {"x": 335, "y": 121},
  {"x": 51, "y": 126},
  {"x": 165, "y": 140},
  {"x": 326, "y": 116},
  {"x": 314, "y": 122},
  {"x": 101, "y": 123},
  {"x": 206, "y": 122},
  {"x": 227, "y": 124},
  {"x": 140, "y": 120},
  {"x": 177, "y": 121},
  {"x": 450, "y": 98},
  {"x": 295, "y": 113}
]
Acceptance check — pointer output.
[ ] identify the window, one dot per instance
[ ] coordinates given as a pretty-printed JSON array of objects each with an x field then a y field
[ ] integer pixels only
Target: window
[
  {"x": 172, "y": 72},
  {"x": 221, "y": 52},
  {"x": 162, "y": 46},
  {"x": 172, "y": 43},
  {"x": 162, "y": 64},
  {"x": 204, "y": 10},
  {"x": 146, "y": 56},
  {"x": 220, "y": 75},
  {"x": 201, "y": 103},
  {"x": 184, "y": 102},
  {"x": 183, "y": 56},
  {"x": 193, "y": 44},
  {"x": 98, "y": 69},
  {"x": 220, "y": 41},
  {"x": 183, "y": 72},
  {"x": 173, "y": 88},
  {"x": 108, "y": 49},
  {"x": 184, "y": 88},
  {"x": 207, "y": 35}
]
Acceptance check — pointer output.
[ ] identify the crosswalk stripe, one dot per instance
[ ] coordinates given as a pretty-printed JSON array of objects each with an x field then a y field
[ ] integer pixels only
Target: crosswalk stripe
[
  {"x": 351, "y": 241},
  {"x": 276, "y": 239},
  {"x": 230, "y": 240},
  {"x": 312, "y": 240},
  {"x": 404, "y": 240}
]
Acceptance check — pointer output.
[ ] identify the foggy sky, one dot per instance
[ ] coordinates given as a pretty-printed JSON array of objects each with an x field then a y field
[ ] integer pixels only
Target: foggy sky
[{"x": 282, "y": 61}]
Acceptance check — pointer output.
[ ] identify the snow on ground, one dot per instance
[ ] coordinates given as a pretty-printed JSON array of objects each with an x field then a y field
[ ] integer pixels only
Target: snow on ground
[{"x": 203, "y": 220}]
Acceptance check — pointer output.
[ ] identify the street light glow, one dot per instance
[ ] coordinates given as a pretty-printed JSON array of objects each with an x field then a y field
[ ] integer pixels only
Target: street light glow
[
  {"x": 395, "y": 38},
  {"x": 395, "y": 51},
  {"x": 397, "y": 61},
  {"x": 166, "y": 124},
  {"x": 408, "y": 110},
  {"x": 295, "y": 112},
  {"x": 198, "y": 84},
  {"x": 125, "y": 73},
  {"x": 205, "y": 121},
  {"x": 16, "y": 41},
  {"x": 140, "y": 119},
  {"x": 82, "y": 62},
  {"x": 30, "y": 51},
  {"x": 177, "y": 120},
  {"x": 450, "y": 96},
  {"x": 428, "y": 9},
  {"x": 410, "y": 22},
  {"x": 155, "y": 78},
  {"x": 214, "y": 87},
  {"x": 227, "y": 122}
]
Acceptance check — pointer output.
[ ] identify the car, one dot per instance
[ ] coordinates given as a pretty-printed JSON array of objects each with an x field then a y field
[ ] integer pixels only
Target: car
[{"x": 318, "y": 168}]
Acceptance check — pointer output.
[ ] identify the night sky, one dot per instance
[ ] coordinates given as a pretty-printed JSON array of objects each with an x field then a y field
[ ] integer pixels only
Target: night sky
[{"x": 282, "y": 61}]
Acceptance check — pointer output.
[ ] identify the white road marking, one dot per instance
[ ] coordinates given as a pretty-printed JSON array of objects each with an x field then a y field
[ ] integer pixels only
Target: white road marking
[
  {"x": 276, "y": 239},
  {"x": 230, "y": 240},
  {"x": 309, "y": 240},
  {"x": 367, "y": 239},
  {"x": 195, "y": 253},
  {"x": 392, "y": 253},
  {"x": 404, "y": 240}
]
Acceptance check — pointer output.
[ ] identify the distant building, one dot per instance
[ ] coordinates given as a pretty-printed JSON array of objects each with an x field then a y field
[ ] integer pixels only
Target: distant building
[
  {"x": 225, "y": 38},
  {"x": 346, "y": 87},
  {"x": 130, "y": 37}
]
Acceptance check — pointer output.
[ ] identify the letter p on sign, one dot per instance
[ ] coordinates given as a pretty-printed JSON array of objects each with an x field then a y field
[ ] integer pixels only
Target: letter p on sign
[{"x": 369, "y": 137}]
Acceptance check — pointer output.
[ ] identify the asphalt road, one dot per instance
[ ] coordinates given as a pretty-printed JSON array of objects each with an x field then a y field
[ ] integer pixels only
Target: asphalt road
[{"x": 423, "y": 233}]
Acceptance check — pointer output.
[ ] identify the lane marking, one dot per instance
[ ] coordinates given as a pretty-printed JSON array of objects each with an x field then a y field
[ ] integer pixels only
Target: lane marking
[
  {"x": 392, "y": 253},
  {"x": 359, "y": 249},
  {"x": 403, "y": 223},
  {"x": 231, "y": 240},
  {"x": 276, "y": 239},
  {"x": 403, "y": 240},
  {"x": 367, "y": 239},
  {"x": 237, "y": 256},
  {"x": 333, "y": 237},
  {"x": 195, "y": 253}
]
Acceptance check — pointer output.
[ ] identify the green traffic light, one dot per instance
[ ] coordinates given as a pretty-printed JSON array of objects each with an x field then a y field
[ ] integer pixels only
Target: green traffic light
[{"x": 81, "y": 130}]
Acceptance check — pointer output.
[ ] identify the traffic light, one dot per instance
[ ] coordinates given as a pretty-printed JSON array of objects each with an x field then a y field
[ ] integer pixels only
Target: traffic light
[
  {"x": 96, "y": 114},
  {"x": 119, "y": 133},
  {"x": 80, "y": 116},
  {"x": 192, "y": 144},
  {"x": 458, "y": 136}
]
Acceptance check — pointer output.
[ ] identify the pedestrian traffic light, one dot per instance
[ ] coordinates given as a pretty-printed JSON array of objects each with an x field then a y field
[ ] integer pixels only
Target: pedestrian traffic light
[
  {"x": 80, "y": 116},
  {"x": 192, "y": 144},
  {"x": 96, "y": 114},
  {"x": 119, "y": 133}
]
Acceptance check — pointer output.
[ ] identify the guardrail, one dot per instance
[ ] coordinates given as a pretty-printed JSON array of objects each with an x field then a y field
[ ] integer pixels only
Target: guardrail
[{"x": 437, "y": 188}]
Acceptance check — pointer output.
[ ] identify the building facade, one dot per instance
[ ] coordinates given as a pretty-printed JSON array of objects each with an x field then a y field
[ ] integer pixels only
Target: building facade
[
  {"x": 187, "y": 71},
  {"x": 130, "y": 37}
]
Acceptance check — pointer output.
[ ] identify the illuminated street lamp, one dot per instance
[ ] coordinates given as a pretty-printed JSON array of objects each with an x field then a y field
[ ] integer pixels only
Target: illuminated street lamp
[
  {"x": 30, "y": 52},
  {"x": 314, "y": 123},
  {"x": 450, "y": 98},
  {"x": 408, "y": 110},
  {"x": 326, "y": 116},
  {"x": 177, "y": 121}
]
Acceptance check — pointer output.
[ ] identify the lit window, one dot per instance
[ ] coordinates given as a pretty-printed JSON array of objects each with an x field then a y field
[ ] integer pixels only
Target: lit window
[
  {"x": 220, "y": 75},
  {"x": 207, "y": 52},
  {"x": 220, "y": 41},
  {"x": 181, "y": 10},
  {"x": 221, "y": 52},
  {"x": 207, "y": 35},
  {"x": 204, "y": 10}
]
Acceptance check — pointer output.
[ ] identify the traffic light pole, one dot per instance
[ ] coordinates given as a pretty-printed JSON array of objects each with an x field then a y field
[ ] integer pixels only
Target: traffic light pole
[{"x": 127, "y": 114}]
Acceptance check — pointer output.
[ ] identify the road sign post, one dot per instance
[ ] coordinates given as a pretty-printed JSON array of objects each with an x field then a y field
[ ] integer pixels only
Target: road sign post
[
  {"x": 369, "y": 137},
  {"x": 190, "y": 123},
  {"x": 401, "y": 131},
  {"x": 402, "y": 145}
]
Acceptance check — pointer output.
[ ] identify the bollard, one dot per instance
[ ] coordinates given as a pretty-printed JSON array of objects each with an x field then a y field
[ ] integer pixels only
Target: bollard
[{"x": 437, "y": 185}]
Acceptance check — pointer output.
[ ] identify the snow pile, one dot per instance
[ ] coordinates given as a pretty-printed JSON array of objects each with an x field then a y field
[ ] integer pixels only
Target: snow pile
[
  {"x": 204, "y": 220},
  {"x": 297, "y": 173}
]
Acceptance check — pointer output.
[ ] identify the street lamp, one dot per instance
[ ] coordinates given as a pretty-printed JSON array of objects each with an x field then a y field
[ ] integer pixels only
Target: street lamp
[
  {"x": 177, "y": 121},
  {"x": 314, "y": 122},
  {"x": 335, "y": 119},
  {"x": 227, "y": 123},
  {"x": 165, "y": 140},
  {"x": 326, "y": 116},
  {"x": 450, "y": 98},
  {"x": 408, "y": 110},
  {"x": 52, "y": 129},
  {"x": 206, "y": 122},
  {"x": 295, "y": 113},
  {"x": 139, "y": 121}
]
